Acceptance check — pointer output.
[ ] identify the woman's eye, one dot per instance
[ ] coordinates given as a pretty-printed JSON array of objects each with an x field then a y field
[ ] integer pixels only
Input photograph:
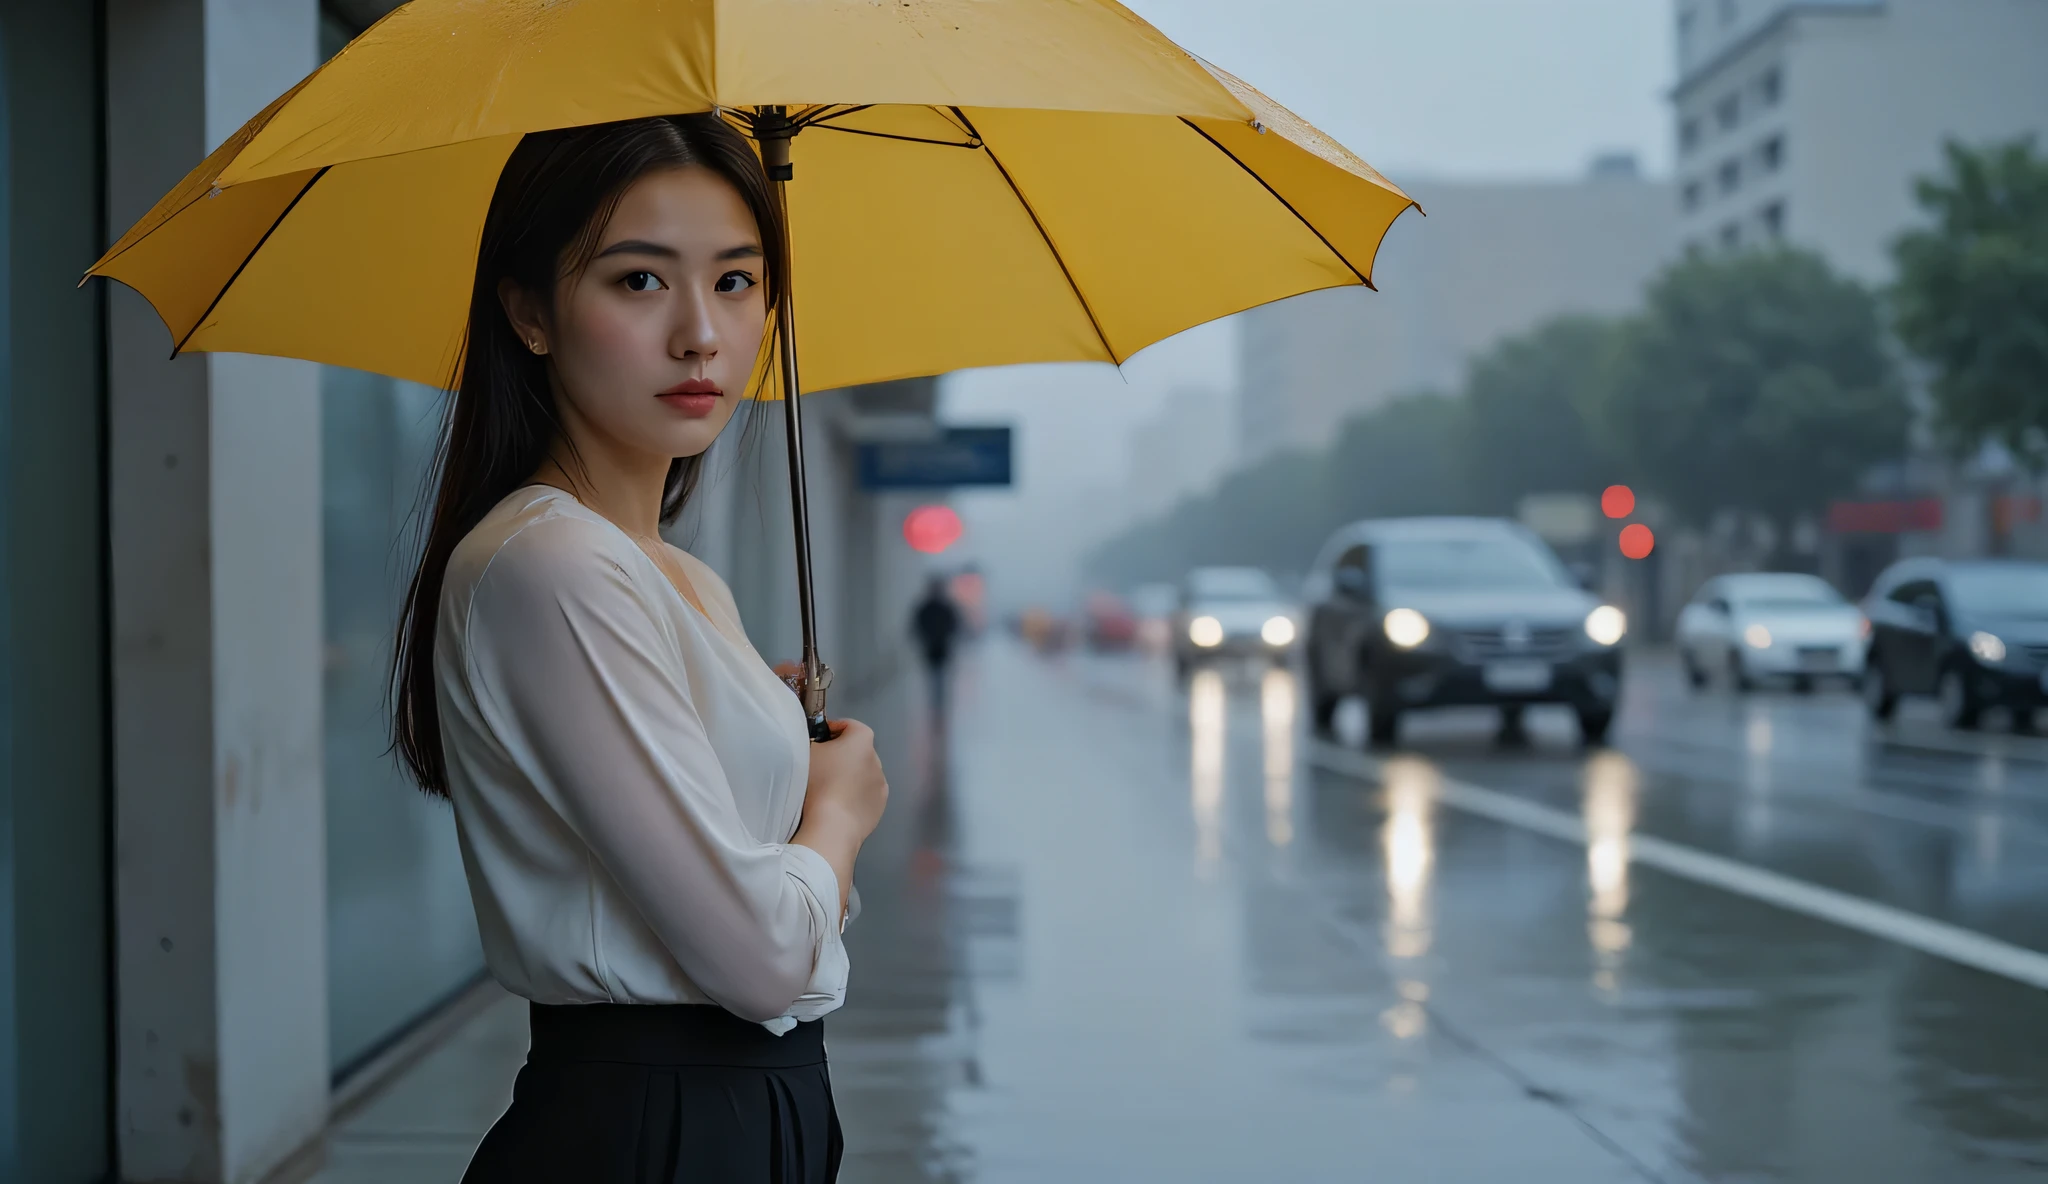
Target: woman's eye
[
  {"x": 643, "y": 281},
  {"x": 735, "y": 281}
]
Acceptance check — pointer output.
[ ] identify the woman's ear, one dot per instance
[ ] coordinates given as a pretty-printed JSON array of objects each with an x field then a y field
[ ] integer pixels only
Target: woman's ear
[{"x": 524, "y": 313}]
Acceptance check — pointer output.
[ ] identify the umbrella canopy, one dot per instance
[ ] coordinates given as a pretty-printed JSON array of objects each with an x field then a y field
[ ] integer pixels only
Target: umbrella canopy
[{"x": 976, "y": 183}]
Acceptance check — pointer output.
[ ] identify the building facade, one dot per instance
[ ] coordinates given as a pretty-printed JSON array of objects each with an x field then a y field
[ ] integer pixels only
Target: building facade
[
  {"x": 1807, "y": 121},
  {"x": 1490, "y": 260},
  {"x": 1183, "y": 449}
]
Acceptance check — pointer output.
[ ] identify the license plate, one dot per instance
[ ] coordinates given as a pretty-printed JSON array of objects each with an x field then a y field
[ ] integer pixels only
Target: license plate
[
  {"x": 1819, "y": 660},
  {"x": 1516, "y": 677}
]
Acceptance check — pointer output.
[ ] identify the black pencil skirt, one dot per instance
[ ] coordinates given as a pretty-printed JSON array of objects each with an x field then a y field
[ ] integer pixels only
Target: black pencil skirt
[{"x": 615, "y": 1094}]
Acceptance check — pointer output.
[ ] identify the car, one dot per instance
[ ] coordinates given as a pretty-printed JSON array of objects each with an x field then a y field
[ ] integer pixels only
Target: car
[
  {"x": 1154, "y": 605},
  {"x": 1043, "y": 631},
  {"x": 1111, "y": 624},
  {"x": 1971, "y": 633},
  {"x": 1414, "y": 613},
  {"x": 1758, "y": 626},
  {"x": 1231, "y": 611}
]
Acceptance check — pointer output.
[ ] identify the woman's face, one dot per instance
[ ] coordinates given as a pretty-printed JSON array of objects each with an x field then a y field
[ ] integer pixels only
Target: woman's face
[{"x": 652, "y": 344}]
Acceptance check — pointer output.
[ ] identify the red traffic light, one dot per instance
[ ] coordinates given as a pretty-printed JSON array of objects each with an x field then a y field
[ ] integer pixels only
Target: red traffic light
[
  {"x": 1636, "y": 541},
  {"x": 931, "y": 529},
  {"x": 1618, "y": 501}
]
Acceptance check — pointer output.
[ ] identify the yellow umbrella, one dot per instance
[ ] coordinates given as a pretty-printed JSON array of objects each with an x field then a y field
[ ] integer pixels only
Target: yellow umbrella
[{"x": 1034, "y": 180}]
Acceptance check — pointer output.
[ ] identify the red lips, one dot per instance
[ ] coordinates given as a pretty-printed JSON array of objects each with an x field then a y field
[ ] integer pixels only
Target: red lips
[
  {"x": 694, "y": 397},
  {"x": 694, "y": 386}
]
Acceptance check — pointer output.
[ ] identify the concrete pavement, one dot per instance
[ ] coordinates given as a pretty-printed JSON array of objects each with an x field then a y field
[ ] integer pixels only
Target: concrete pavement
[{"x": 1119, "y": 929}]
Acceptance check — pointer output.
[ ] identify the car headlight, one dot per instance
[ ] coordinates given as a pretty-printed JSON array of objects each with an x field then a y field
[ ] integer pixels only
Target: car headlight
[
  {"x": 1205, "y": 632},
  {"x": 1988, "y": 647},
  {"x": 1406, "y": 628},
  {"x": 1757, "y": 637},
  {"x": 1277, "y": 631},
  {"x": 1606, "y": 625}
]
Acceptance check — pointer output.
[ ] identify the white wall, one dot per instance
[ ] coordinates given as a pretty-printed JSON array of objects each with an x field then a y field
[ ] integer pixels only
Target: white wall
[
  {"x": 215, "y": 505},
  {"x": 1871, "y": 92},
  {"x": 1978, "y": 72}
]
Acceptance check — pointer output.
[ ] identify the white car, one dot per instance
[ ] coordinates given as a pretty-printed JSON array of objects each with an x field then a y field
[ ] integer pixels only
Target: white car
[
  {"x": 1762, "y": 626},
  {"x": 1231, "y": 612}
]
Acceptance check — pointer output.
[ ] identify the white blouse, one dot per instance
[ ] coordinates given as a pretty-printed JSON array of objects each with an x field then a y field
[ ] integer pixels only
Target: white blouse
[{"x": 627, "y": 773}]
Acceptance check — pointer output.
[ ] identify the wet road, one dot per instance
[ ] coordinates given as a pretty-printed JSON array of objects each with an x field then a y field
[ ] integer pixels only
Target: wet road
[{"x": 1122, "y": 930}]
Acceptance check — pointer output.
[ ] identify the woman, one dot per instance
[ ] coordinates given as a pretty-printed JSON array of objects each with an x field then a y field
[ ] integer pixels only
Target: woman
[{"x": 659, "y": 858}]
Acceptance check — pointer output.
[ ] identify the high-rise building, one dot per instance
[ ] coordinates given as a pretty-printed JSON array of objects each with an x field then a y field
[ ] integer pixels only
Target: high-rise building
[
  {"x": 1490, "y": 260},
  {"x": 1808, "y": 120},
  {"x": 1182, "y": 449}
]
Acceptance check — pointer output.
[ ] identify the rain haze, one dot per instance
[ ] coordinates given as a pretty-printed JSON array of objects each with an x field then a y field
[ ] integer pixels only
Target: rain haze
[
  {"x": 1460, "y": 89},
  {"x": 1576, "y": 714}
]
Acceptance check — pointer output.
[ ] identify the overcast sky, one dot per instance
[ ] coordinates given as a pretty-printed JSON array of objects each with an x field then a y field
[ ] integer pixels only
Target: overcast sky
[{"x": 1471, "y": 89}]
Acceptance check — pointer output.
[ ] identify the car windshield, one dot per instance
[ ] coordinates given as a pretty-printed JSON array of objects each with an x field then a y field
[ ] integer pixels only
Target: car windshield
[
  {"x": 1794, "y": 594},
  {"x": 1232, "y": 583},
  {"x": 1473, "y": 563},
  {"x": 2020, "y": 590}
]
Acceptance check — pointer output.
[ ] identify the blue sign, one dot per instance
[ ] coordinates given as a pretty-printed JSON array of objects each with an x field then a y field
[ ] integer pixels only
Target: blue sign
[{"x": 957, "y": 457}]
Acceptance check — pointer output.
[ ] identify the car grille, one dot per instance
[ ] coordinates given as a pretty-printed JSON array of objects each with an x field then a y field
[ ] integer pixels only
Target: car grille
[{"x": 1548, "y": 643}]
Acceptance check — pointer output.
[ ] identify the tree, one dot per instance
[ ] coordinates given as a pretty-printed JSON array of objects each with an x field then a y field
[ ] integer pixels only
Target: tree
[
  {"x": 1400, "y": 458},
  {"x": 1268, "y": 513},
  {"x": 1756, "y": 382},
  {"x": 1971, "y": 297},
  {"x": 1528, "y": 402},
  {"x": 1404, "y": 457}
]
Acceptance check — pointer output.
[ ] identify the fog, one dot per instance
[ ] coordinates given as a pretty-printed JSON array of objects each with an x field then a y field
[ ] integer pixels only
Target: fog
[{"x": 1539, "y": 90}]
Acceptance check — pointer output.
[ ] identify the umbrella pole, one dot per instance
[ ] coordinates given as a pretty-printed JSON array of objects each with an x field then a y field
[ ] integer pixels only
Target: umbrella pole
[{"x": 774, "y": 131}]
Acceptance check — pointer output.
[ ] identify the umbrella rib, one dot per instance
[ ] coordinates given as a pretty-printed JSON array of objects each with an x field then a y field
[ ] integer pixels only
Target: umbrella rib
[
  {"x": 1043, "y": 236},
  {"x": 1332, "y": 247},
  {"x": 855, "y": 131},
  {"x": 823, "y": 115},
  {"x": 244, "y": 266}
]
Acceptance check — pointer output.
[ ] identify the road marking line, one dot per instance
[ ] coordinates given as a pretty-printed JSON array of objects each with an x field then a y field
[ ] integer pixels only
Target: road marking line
[{"x": 1939, "y": 938}]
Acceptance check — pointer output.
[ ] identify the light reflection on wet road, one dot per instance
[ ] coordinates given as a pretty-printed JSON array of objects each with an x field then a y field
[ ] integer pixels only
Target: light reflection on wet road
[{"x": 1122, "y": 930}]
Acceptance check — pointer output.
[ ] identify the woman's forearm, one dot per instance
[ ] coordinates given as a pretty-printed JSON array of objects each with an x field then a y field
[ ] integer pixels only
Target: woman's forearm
[{"x": 837, "y": 839}]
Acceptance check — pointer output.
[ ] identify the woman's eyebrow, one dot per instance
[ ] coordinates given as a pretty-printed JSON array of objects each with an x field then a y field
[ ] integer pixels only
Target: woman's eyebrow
[{"x": 640, "y": 246}]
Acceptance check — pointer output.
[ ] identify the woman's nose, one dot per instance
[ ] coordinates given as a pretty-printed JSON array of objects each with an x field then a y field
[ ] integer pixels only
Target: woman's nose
[{"x": 695, "y": 332}]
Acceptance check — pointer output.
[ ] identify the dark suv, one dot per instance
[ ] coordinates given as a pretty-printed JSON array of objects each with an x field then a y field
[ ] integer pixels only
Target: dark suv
[
  {"x": 1439, "y": 612},
  {"x": 1971, "y": 633}
]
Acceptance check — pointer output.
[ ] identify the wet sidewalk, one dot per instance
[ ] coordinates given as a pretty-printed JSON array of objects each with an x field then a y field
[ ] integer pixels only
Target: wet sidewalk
[{"x": 1118, "y": 929}]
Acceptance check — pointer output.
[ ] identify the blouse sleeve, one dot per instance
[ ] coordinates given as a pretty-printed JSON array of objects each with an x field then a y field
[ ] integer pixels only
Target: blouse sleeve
[{"x": 569, "y": 656}]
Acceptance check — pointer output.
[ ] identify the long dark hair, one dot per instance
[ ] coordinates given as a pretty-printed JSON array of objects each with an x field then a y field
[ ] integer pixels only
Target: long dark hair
[{"x": 556, "y": 194}]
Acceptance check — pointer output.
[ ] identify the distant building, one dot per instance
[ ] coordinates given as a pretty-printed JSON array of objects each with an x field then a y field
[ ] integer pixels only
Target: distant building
[
  {"x": 1181, "y": 450},
  {"x": 1490, "y": 260},
  {"x": 1807, "y": 120}
]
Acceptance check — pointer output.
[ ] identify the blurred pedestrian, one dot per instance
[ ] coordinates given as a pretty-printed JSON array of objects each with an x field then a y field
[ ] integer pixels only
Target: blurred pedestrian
[
  {"x": 659, "y": 856},
  {"x": 936, "y": 622}
]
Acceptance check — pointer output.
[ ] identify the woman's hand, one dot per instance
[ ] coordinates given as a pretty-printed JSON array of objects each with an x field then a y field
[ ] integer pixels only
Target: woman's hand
[
  {"x": 846, "y": 778},
  {"x": 843, "y": 800}
]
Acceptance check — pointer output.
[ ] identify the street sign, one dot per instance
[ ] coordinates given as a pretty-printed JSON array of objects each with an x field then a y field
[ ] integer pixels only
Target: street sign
[
  {"x": 1560, "y": 519},
  {"x": 957, "y": 457}
]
